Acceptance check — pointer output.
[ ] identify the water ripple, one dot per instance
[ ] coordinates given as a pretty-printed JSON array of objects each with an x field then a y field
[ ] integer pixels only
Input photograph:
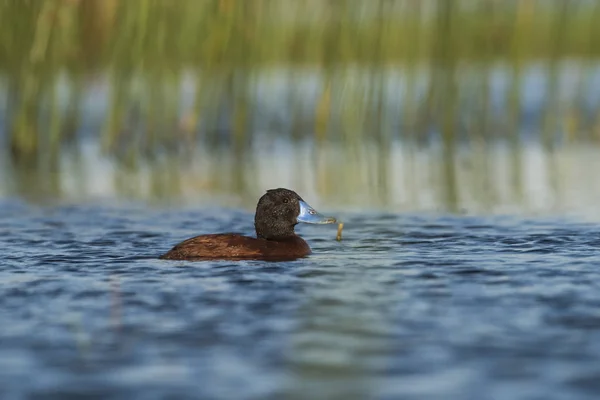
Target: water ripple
[{"x": 423, "y": 306}]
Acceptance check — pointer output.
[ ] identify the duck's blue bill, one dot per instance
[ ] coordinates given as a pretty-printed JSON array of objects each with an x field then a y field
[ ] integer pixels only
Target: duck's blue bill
[{"x": 309, "y": 215}]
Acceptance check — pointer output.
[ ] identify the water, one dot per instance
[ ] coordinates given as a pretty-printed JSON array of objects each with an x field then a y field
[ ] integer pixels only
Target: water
[
  {"x": 502, "y": 157},
  {"x": 461, "y": 155},
  {"x": 423, "y": 306}
]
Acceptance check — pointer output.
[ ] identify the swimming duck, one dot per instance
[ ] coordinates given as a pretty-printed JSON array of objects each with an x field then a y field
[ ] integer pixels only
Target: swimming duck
[{"x": 277, "y": 213}]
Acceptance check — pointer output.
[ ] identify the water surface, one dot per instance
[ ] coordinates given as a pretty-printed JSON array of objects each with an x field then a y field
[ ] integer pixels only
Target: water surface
[
  {"x": 458, "y": 141},
  {"x": 423, "y": 306}
]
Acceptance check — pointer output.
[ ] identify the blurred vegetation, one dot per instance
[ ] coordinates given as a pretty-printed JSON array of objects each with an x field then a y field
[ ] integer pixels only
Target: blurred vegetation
[{"x": 54, "y": 54}]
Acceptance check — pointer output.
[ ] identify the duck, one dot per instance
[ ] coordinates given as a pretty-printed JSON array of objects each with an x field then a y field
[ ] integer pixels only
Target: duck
[{"x": 277, "y": 213}]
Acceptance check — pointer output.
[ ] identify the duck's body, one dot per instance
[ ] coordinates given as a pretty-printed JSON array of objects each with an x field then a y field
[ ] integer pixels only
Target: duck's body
[
  {"x": 233, "y": 246},
  {"x": 277, "y": 212}
]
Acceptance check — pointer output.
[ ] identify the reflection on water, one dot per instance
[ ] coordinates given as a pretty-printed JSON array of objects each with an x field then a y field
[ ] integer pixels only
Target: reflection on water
[
  {"x": 400, "y": 177},
  {"x": 364, "y": 153}
]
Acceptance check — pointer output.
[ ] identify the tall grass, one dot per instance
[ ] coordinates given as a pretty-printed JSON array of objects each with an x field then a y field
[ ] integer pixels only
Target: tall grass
[{"x": 357, "y": 72}]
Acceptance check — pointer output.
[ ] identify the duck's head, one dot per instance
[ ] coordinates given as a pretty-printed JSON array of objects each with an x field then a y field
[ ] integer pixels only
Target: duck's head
[{"x": 279, "y": 210}]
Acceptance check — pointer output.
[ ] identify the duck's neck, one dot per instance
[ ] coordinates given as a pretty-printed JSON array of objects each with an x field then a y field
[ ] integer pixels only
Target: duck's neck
[
  {"x": 275, "y": 233},
  {"x": 277, "y": 237}
]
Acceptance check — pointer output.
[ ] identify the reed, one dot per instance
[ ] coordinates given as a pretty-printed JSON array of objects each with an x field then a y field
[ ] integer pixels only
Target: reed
[{"x": 192, "y": 73}]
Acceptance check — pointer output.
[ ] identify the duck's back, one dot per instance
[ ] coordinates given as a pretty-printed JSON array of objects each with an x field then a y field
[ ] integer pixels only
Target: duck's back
[{"x": 232, "y": 246}]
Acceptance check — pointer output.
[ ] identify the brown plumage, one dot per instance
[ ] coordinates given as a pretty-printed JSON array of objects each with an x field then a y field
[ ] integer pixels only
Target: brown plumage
[
  {"x": 233, "y": 246},
  {"x": 277, "y": 212}
]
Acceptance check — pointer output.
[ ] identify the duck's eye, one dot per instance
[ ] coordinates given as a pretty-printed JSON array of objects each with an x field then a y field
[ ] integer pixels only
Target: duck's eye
[{"x": 286, "y": 201}]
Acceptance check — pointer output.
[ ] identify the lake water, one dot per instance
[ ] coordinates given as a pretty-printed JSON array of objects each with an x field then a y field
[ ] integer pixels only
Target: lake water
[
  {"x": 412, "y": 306},
  {"x": 458, "y": 141}
]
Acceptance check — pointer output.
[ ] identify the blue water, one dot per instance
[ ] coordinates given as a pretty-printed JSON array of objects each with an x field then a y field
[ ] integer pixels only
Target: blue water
[{"x": 425, "y": 306}]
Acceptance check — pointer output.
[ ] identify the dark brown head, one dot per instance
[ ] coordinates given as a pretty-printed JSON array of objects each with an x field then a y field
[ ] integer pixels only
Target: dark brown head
[{"x": 279, "y": 210}]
